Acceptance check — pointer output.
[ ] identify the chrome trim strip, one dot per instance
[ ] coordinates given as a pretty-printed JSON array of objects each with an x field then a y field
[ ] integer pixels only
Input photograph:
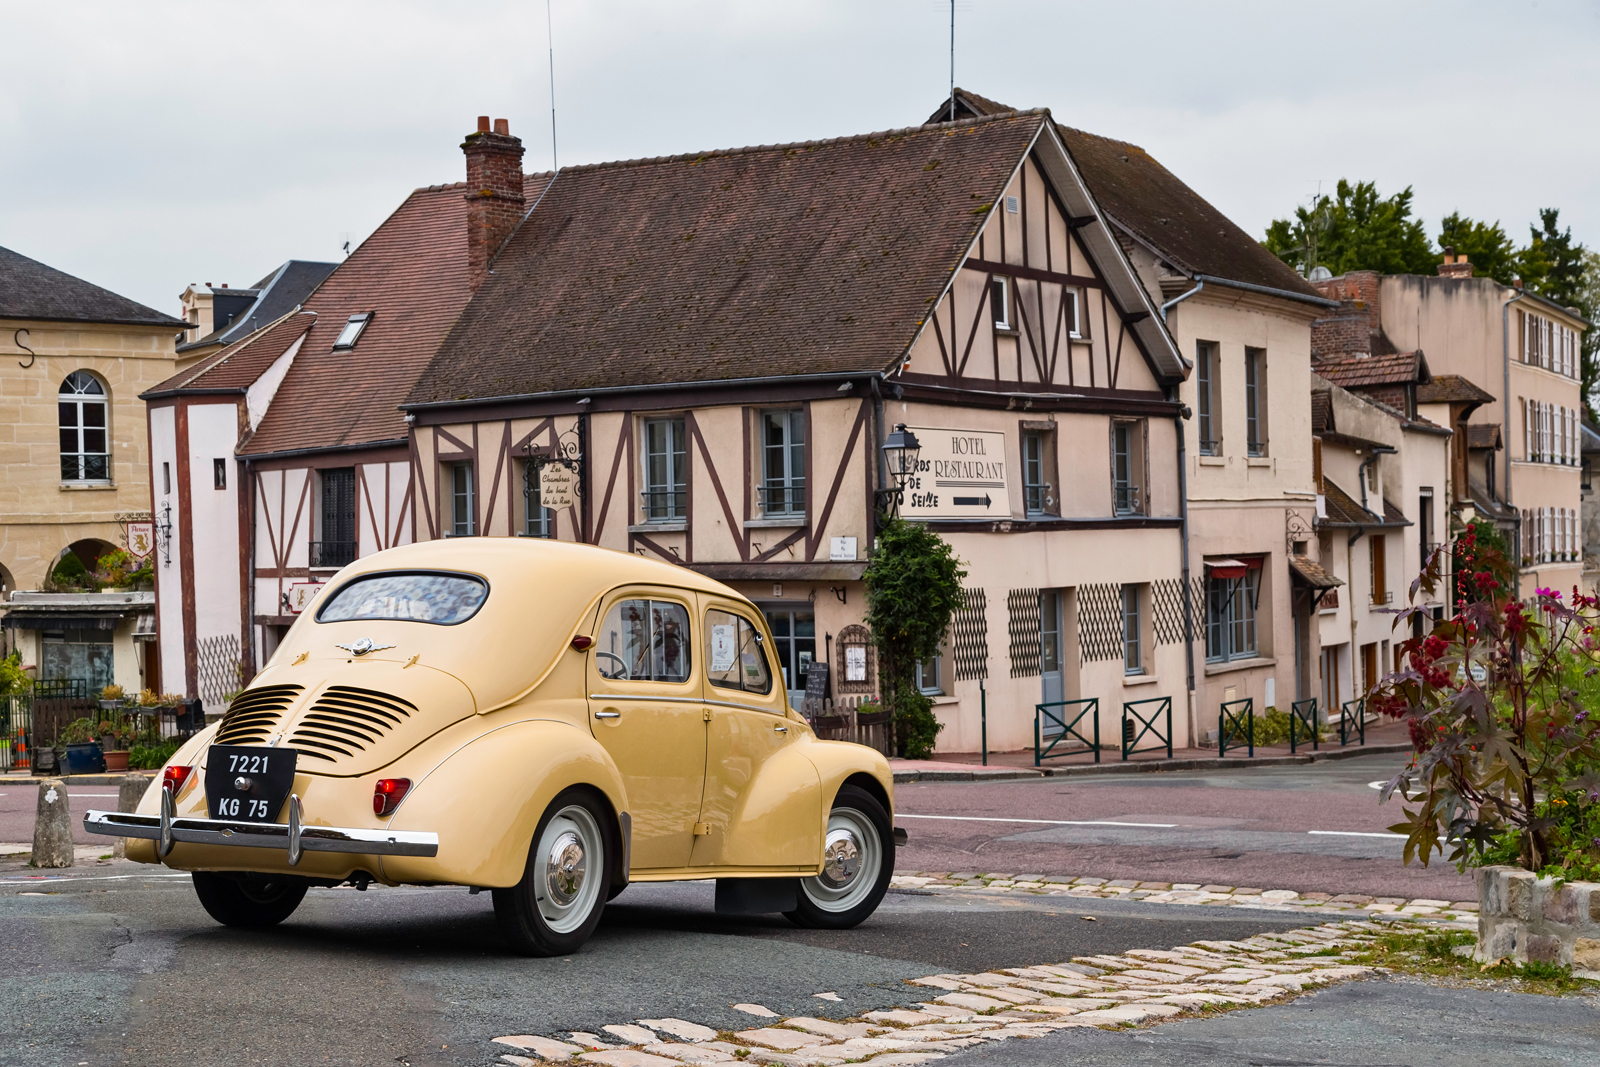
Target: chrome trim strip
[
  {"x": 264, "y": 834},
  {"x": 684, "y": 700}
]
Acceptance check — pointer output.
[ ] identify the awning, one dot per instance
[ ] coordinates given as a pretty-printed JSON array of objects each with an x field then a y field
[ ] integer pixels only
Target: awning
[
  {"x": 1232, "y": 568},
  {"x": 1312, "y": 573},
  {"x": 27, "y": 620},
  {"x": 144, "y": 626}
]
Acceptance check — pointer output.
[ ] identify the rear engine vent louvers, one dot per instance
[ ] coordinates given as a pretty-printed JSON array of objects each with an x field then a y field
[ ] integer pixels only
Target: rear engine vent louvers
[
  {"x": 255, "y": 714},
  {"x": 345, "y": 720}
]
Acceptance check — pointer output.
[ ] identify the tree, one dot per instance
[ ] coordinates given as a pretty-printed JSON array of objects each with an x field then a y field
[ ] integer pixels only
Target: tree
[
  {"x": 913, "y": 591},
  {"x": 1355, "y": 229},
  {"x": 1563, "y": 270},
  {"x": 1485, "y": 245}
]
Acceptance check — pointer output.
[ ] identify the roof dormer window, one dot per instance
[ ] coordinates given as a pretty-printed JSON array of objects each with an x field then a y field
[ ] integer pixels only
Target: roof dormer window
[{"x": 352, "y": 331}]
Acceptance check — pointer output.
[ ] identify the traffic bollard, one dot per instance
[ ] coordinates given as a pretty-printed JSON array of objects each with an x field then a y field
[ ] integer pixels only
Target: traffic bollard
[{"x": 52, "y": 826}]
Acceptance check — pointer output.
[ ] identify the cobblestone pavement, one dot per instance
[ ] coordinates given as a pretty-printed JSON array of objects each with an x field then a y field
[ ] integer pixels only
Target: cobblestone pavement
[
  {"x": 967, "y": 1010},
  {"x": 1460, "y": 911}
]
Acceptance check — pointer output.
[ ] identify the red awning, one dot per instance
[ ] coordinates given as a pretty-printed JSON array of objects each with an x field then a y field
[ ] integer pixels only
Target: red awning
[{"x": 1232, "y": 568}]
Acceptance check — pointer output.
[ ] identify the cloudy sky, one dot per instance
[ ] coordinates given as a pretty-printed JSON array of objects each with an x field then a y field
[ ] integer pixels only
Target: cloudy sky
[{"x": 147, "y": 145}]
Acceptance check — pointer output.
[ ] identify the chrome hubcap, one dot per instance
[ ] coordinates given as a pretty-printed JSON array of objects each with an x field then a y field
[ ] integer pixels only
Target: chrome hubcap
[
  {"x": 565, "y": 867},
  {"x": 841, "y": 859}
]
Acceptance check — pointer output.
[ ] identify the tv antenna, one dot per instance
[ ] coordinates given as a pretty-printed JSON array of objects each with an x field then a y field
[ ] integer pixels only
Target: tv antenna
[
  {"x": 550, "y": 36},
  {"x": 952, "y": 60}
]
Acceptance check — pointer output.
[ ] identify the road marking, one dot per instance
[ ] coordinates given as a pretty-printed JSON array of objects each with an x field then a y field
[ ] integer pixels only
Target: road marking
[
  {"x": 1354, "y": 833},
  {"x": 92, "y": 877},
  {"x": 1044, "y": 822},
  {"x": 75, "y": 793},
  {"x": 1376, "y": 785}
]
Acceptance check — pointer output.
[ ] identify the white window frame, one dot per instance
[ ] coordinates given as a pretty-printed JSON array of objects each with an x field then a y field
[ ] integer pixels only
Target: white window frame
[
  {"x": 1132, "y": 614},
  {"x": 75, "y": 391},
  {"x": 1001, "y": 314},
  {"x": 676, "y": 486},
  {"x": 354, "y": 327},
  {"x": 463, "y": 496},
  {"x": 1208, "y": 359},
  {"x": 790, "y": 481}
]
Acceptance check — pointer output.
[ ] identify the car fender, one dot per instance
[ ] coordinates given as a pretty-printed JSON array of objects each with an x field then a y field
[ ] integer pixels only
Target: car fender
[
  {"x": 485, "y": 799},
  {"x": 837, "y": 762},
  {"x": 190, "y": 754}
]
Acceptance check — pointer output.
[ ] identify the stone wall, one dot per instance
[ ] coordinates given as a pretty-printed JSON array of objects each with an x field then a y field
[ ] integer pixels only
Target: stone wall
[{"x": 1527, "y": 918}]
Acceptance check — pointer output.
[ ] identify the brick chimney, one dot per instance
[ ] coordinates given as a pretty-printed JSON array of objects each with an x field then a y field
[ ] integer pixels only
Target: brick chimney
[
  {"x": 1454, "y": 266},
  {"x": 494, "y": 193},
  {"x": 1356, "y": 327}
]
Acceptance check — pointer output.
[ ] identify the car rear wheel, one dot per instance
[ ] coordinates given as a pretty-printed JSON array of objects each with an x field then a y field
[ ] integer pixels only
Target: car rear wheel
[
  {"x": 251, "y": 901},
  {"x": 557, "y": 905},
  {"x": 857, "y": 862}
]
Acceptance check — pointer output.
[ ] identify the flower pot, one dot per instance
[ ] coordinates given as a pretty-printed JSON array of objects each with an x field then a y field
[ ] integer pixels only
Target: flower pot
[
  {"x": 110, "y": 705},
  {"x": 87, "y": 758},
  {"x": 117, "y": 760}
]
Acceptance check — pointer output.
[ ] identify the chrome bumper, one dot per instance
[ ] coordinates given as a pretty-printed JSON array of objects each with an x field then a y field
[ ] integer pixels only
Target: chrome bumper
[{"x": 292, "y": 837}]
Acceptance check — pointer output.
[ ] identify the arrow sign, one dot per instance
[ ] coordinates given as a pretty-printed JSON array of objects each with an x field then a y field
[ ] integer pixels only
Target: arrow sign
[{"x": 973, "y": 501}]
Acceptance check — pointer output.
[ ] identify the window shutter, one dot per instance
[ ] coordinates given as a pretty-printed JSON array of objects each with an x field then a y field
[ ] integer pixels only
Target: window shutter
[{"x": 1527, "y": 429}]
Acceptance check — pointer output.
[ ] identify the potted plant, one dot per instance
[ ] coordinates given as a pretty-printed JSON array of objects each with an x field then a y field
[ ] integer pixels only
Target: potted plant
[
  {"x": 83, "y": 754},
  {"x": 112, "y": 570},
  {"x": 110, "y": 697},
  {"x": 115, "y": 731}
]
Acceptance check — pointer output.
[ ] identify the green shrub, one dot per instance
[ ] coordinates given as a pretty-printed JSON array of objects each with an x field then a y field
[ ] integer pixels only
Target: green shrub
[
  {"x": 914, "y": 724},
  {"x": 149, "y": 757}
]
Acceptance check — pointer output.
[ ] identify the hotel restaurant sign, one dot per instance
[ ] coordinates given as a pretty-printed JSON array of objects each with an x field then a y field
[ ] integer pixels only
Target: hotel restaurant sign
[{"x": 961, "y": 474}]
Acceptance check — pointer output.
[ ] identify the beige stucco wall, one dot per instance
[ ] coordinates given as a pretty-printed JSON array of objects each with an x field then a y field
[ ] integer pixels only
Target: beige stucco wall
[{"x": 39, "y": 514}]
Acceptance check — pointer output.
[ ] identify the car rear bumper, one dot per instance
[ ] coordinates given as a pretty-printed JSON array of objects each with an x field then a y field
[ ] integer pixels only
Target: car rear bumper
[{"x": 291, "y": 837}]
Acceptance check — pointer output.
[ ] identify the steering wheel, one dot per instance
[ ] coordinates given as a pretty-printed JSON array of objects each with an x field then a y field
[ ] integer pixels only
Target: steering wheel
[{"x": 621, "y": 668}]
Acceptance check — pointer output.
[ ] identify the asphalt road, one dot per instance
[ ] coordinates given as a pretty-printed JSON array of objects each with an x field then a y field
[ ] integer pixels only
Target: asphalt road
[
  {"x": 18, "y": 802},
  {"x": 120, "y": 965},
  {"x": 1316, "y": 828}
]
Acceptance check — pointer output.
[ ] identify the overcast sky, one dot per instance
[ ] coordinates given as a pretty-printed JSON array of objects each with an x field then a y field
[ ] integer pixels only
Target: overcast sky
[{"x": 147, "y": 145}]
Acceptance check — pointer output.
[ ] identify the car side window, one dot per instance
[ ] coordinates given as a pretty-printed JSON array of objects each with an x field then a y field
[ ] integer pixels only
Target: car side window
[
  {"x": 735, "y": 658},
  {"x": 644, "y": 641}
]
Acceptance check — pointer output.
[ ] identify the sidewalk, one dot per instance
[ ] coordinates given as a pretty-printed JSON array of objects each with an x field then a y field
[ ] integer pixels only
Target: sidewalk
[{"x": 1389, "y": 737}]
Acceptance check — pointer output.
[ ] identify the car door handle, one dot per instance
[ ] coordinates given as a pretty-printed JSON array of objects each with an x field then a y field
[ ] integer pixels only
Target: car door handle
[
  {"x": 608, "y": 714},
  {"x": 780, "y": 729}
]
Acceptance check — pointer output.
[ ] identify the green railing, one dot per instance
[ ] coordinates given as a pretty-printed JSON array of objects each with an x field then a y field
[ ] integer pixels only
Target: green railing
[
  {"x": 1054, "y": 725},
  {"x": 1359, "y": 728},
  {"x": 1240, "y": 722},
  {"x": 1135, "y": 724},
  {"x": 1303, "y": 720}
]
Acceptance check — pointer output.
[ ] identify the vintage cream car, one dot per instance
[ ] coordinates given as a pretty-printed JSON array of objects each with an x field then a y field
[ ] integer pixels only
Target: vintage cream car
[{"x": 546, "y": 720}]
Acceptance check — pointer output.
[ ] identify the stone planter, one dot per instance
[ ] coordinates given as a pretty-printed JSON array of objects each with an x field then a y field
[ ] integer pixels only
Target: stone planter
[
  {"x": 1527, "y": 918},
  {"x": 116, "y": 760}
]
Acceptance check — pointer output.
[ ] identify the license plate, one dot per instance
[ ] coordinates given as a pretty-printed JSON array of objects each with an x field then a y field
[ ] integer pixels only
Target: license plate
[{"x": 248, "y": 783}]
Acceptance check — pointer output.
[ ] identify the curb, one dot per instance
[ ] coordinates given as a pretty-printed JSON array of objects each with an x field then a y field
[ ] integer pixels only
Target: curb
[
  {"x": 78, "y": 779},
  {"x": 985, "y": 774}
]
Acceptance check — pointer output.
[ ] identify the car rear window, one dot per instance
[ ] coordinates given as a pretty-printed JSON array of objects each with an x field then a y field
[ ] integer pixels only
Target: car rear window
[{"x": 442, "y": 599}]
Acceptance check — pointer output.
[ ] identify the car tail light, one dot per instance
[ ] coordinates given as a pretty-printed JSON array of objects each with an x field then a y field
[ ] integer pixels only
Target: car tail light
[
  {"x": 388, "y": 793},
  {"x": 174, "y": 777}
]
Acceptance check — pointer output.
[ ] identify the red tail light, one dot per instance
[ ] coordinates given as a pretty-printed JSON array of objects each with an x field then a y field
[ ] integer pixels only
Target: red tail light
[
  {"x": 172, "y": 778},
  {"x": 388, "y": 793}
]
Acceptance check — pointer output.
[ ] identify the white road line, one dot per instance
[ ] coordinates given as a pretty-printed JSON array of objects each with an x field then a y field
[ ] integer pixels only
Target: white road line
[
  {"x": 1354, "y": 833},
  {"x": 73, "y": 792},
  {"x": 1043, "y": 822}
]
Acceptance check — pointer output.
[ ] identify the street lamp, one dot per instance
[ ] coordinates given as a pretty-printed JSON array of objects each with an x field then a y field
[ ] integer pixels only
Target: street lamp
[{"x": 900, "y": 451}]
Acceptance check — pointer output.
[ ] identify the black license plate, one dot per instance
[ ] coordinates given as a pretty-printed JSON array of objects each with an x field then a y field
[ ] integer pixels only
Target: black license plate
[{"x": 248, "y": 783}]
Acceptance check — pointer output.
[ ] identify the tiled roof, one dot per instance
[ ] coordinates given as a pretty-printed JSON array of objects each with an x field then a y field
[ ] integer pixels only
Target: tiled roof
[
  {"x": 1352, "y": 372},
  {"x": 1321, "y": 411},
  {"x": 1155, "y": 205},
  {"x": 276, "y": 295},
  {"x": 1483, "y": 435},
  {"x": 1451, "y": 389},
  {"x": 818, "y": 258},
  {"x": 1344, "y": 510},
  {"x": 1393, "y": 516},
  {"x": 31, "y": 290},
  {"x": 1314, "y": 574},
  {"x": 236, "y": 367},
  {"x": 412, "y": 274},
  {"x": 1489, "y": 506},
  {"x": 1345, "y": 440}
]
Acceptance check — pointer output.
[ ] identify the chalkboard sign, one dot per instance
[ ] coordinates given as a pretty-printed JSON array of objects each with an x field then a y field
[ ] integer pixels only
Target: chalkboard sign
[{"x": 817, "y": 682}]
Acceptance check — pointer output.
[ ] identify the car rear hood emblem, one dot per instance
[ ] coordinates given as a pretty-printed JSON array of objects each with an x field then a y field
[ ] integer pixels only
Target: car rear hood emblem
[{"x": 362, "y": 647}]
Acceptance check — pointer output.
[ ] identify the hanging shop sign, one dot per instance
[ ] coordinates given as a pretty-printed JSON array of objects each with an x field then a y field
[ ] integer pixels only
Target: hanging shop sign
[{"x": 961, "y": 474}]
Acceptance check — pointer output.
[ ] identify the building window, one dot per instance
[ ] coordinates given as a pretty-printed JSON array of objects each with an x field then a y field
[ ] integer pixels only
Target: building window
[
  {"x": 930, "y": 675},
  {"x": 337, "y": 544},
  {"x": 1000, "y": 302},
  {"x": 1039, "y": 471},
  {"x": 82, "y": 409},
  {"x": 783, "y": 463},
  {"x": 1127, "y": 468},
  {"x": 1069, "y": 297},
  {"x": 1255, "y": 401},
  {"x": 1132, "y": 631},
  {"x": 1377, "y": 552},
  {"x": 536, "y": 518},
  {"x": 463, "y": 514},
  {"x": 665, "y": 492},
  {"x": 353, "y": 328},
  {"x": 1205, "y": 372},
  {"x": 1231, "y": 616},
  {"x": 166, "y": 478},
  {"x": 219, "y": 474}
]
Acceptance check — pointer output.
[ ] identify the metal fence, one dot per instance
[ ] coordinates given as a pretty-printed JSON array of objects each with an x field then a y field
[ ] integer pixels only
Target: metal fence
[
  {"x": 1237, "y": 724},
  {"x": 1056, "y": 726},
  {"x": 1303, "y": 720},
  {"x": 1141, "y": 717}
]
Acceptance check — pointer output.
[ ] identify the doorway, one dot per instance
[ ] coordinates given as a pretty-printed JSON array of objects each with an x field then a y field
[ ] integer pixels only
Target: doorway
[
  {"x": 1052, "y": 676},
  {"x": 794, "y": 632}
]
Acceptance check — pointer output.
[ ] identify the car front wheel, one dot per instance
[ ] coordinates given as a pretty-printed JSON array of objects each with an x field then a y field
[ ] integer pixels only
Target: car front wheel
[
  {"x": 251, "y": 901},
  {"x": 857, "y": 862},
  {"x": 557, "y": 905}
]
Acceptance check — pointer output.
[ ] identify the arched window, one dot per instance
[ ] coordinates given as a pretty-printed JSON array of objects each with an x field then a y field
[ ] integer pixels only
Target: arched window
[{"x": 85, "y": 449}]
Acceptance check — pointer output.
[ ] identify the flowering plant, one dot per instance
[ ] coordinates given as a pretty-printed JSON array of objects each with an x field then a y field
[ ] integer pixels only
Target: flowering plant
[{"x": 1497, "y": 699}]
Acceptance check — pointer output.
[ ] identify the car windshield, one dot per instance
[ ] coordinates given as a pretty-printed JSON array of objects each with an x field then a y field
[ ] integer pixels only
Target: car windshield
[{"x": 443, "y": 599}]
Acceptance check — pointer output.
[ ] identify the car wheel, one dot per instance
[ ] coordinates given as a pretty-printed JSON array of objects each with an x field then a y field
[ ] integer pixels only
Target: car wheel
[
  {"x": 252, "y": 901},
  {"x": 557, "y": 905},
  {"x": 857, "y": 862}
]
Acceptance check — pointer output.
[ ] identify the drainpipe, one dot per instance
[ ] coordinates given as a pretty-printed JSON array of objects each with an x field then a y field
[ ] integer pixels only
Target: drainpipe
[
  {"x": 1180, "y": 299},
  {"x": 883, "y": 472},
  {"x": 1361, "y": 474},
  {"x": 1183, "y": 540},
  {"x": 1505, "y": 416}
]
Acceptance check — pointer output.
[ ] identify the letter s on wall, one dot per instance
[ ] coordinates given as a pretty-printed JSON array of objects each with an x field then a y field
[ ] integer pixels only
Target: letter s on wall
[{"x": 17, "y": 339}]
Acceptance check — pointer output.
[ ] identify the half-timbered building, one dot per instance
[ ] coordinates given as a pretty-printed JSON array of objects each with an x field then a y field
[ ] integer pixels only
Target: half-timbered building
[{"x": 699, "y": 357}]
